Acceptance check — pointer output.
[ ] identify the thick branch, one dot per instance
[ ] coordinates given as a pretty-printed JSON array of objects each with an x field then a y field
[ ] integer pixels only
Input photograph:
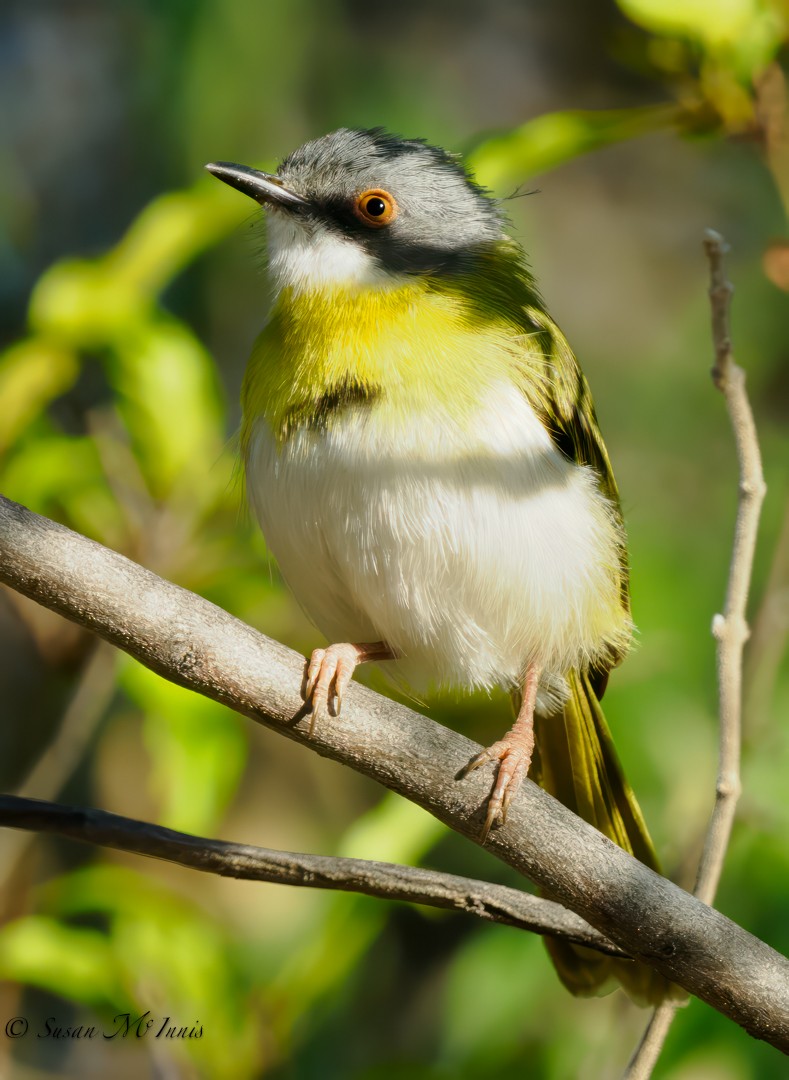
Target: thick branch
[
  {"x": 196, "y": 644},
  {"x": 496, "y": 903}
]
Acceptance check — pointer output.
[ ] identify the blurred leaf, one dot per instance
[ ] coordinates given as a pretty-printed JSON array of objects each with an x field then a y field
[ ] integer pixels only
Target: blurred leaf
[
  {"x": 395, "y": 830},
  {"x": 714, "y": 23},
  {"x": 62, "y": 477},
  {"x": 32, "y": 374},
  {"x": 494, "y": 983},
  {"x": 95, "y": 302},
  {"x": 197, "y": 748},
  {"x": 550, "y": 140},
  {"x": 776, "y": 263},
  {"x": 174, "y": 959},
  {"x": 72, "y": 962},
  {"x": 169, "y": 398},
  {"x": 78, "y": 303},
  {"x": 170, "y": 232}
]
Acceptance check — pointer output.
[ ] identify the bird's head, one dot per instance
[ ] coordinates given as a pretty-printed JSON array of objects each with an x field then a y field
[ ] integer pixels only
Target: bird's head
[{"x": 365, "y": 208}]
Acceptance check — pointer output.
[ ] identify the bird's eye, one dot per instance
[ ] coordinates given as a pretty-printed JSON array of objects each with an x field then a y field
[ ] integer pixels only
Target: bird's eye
[{"x": 376, "y": 208}]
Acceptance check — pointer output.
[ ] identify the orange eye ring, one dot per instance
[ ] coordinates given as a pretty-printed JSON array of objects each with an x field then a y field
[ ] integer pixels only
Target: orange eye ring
[{"x": 376, "y": 208}]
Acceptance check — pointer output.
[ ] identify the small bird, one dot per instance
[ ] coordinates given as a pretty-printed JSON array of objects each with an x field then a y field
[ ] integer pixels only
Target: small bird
[{"x": 422, "y": 452}]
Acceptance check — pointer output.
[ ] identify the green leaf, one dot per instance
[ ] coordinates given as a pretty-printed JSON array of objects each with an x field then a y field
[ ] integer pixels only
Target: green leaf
[
  {"x": 174, "y": 959},
  {"x": 92, "y": 302},
  {"x": 32, "y": 374},
  {"x": 169, "y": 398},
  {"x": 550, "y": 140},
  {"x": 73, "y": 962},
  {"x": 78, "y": 303},
  {"x": 738, "y": 37},
  {"x": 197, "y": 748},
  {"x": 394, "y": 830},
  {"x": 61, "y": 476},
  {"x": 712, "y": 22}
]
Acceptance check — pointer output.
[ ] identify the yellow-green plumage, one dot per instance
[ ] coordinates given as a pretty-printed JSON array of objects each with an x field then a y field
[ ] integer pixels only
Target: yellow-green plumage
[{"x": 422, "y": 342}]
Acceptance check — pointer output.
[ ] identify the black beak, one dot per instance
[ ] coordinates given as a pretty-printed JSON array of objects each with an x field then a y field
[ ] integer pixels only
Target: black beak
[{"x": 264, "y": 188}]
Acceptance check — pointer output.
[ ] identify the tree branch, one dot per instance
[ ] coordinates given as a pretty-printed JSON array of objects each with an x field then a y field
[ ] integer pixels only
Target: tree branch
[
  {"x": 194, "y": 643},
  {"x": 730, "y": 629},
  {"x": 496, "y": 903}
]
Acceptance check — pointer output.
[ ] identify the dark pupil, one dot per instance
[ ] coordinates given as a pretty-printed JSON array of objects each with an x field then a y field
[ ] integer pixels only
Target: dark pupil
[{"x": 375, "y": 207}]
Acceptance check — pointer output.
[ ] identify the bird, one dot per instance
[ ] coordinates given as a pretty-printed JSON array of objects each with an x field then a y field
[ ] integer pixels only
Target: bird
[{"x": 422, "y": 453}]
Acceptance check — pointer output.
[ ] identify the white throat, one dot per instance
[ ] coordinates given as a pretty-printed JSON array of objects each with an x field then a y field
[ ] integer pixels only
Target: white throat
[{"x": 304, "y": 259}]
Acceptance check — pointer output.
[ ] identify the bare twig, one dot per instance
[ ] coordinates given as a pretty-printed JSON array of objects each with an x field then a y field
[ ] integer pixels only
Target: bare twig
[
  {"x": 194, "y": 643},
  {"x": 730, "y": 629},
  {"x": 646, "y": 1054},
  {"x": 496, "y": 903},
  {"x": 64, "y": 751}
]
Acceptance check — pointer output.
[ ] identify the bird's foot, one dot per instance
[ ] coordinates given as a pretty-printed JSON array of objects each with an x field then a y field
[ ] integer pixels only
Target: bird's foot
[
  {"x": 328, "y": 672},
  {"x": 513, "y": 753}
]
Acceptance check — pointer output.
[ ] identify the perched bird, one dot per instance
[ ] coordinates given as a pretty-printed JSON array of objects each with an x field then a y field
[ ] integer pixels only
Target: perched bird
[{"x": 422, "y": 453}]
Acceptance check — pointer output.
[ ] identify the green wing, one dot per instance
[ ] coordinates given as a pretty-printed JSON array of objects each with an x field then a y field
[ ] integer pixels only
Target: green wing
[{"x": 560, "y": 395}]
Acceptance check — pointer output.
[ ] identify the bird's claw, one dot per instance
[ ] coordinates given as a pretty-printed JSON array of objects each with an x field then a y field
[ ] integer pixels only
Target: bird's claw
[
  {"x": 514, "y": 761},
  {"x": 327, "y": 674}
]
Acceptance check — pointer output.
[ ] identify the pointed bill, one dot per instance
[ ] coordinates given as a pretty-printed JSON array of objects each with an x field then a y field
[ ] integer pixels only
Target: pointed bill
[{"x": 265, "y": 188}]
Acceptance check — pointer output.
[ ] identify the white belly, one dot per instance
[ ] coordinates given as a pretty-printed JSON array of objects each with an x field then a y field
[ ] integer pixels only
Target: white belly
[{"x": 472, "y": 553}]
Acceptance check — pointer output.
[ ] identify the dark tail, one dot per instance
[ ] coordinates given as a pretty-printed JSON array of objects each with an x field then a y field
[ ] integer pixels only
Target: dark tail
[{"x": 575, "y": 761}]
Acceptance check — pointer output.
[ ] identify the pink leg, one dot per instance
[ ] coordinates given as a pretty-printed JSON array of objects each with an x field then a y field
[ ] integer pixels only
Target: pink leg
[
  {"x": 328, "y": 672},
  {"x": 513, "y": 753}
]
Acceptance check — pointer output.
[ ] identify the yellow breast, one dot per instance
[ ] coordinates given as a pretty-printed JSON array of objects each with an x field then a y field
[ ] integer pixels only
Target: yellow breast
[{"x": 412, "y": 345}]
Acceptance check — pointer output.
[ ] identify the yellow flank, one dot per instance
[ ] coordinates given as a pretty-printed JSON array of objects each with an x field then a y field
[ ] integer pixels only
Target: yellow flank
[{"x": 411, "y": 346}]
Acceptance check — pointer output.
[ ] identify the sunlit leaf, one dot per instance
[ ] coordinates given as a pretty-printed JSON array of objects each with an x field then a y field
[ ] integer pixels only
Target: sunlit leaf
[
  {"x": 197, "y": 749},
  {"x": 491, "y": 987},
  {"x": 77, "y": 302},
  {"x": 740, "y": 36},
  {"x": 32, "y": 374},
  {"x": 173, "y": 959},
  {"x": 712, "y": 21},
  {"x": 73, "y": 962},
  {"x": 61, "y": 476},
  {"x": 393, "y": 831},
  {"x": 90, "y": 302},
  {"x": 170, "y": 232},
  {"x": 550, "y": 140},
  {"x": 169, "y": 398}
]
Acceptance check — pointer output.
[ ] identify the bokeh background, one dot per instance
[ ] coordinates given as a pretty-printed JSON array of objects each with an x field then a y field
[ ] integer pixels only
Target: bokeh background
[{"x": 131, "y": 289}]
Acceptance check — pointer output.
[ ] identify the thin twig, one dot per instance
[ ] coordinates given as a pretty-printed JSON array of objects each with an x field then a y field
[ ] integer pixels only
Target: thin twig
[
  {"x": 729, "y": 629},
  {"x": 64, "y": 751},
  {"x": 646, "y": 1054},
  {"x": 496, "y": 903},
  {"x": 195, "y": 644}
]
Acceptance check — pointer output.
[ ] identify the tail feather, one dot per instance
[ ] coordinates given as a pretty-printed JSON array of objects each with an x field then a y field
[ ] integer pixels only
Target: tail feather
[{"x": 575, "y": 761}]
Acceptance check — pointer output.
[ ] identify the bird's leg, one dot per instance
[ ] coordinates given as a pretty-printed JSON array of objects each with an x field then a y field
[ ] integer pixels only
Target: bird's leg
[
  {"x": 328, "y": 672},
  {"x": 513, "y": 754}
]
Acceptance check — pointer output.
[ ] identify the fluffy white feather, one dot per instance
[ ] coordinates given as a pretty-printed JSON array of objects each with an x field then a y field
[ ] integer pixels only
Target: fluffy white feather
[
  {"x": 470, "y": 551},
  {"x": 306, "y": 259}
]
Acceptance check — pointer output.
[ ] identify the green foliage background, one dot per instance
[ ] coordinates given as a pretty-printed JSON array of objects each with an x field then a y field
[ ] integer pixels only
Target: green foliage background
[{"x": 118, "y": 395}]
